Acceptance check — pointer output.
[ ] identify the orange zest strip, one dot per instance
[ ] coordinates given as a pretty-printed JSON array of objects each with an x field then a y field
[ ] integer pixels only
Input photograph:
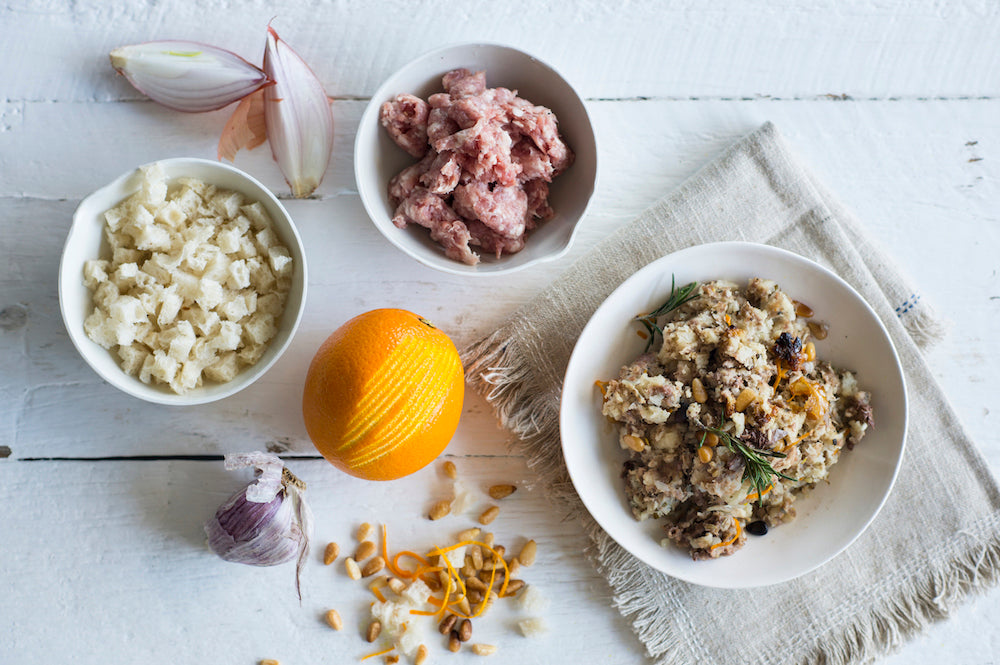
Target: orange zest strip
[
  {"x": 739, "y": 531},
  {"x": 377, "y": 592},
  {"x": 780, "y": 375},
  {"x": 407, "y": 573},
  {"x": 729, "y": 321},
  {"x": 602, "y": 386},
  {"x": 385, "y": 552},
  {"x": 753, "y": 496},
  {"x": 378, "y": 653}
]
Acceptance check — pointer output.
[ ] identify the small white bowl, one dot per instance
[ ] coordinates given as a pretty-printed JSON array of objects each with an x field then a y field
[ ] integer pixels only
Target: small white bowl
[
  {"x": 833, "y": 514},
  {"x": 377, "y": 158},
  {"x": 86, "y": 241}
]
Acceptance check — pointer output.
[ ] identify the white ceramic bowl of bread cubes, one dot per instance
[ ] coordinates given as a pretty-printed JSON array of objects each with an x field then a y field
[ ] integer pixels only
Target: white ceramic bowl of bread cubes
[{"x": 182, "y": 281}]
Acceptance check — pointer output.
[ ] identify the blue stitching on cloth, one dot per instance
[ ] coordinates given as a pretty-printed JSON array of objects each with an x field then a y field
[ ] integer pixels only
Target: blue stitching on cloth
[{"x": 908, "y": 304}]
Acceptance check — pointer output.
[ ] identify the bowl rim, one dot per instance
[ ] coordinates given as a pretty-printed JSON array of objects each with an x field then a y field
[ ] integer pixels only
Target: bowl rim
[
  {"x": 443, "y": 263},
  {"x": 131, "y": 385},
  {"x": 713, "y": 249}
]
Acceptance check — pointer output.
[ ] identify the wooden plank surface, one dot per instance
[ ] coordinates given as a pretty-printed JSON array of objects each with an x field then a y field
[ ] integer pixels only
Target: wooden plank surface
[{"x": 895, "y": 105}]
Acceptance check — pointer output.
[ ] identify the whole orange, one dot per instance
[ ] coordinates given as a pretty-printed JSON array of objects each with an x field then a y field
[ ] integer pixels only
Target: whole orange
[{"x": 383, "y": 394}]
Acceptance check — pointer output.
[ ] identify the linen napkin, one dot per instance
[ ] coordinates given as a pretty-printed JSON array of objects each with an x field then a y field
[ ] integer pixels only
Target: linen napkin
[{"x": 936, "y": 539}]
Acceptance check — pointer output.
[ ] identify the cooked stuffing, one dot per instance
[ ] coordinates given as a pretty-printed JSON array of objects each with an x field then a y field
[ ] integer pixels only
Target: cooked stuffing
[{"x": 731, "y": 418}]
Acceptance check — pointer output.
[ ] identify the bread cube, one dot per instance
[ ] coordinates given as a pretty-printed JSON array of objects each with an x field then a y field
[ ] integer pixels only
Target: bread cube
[
  {"x": 170, "y": 305},
  {"x": 187, "y": 378},
  {"x": 228, "y": 239},
  {"x": 188, "y": 285},
  {"x": 203, "y": 353},
  {"x": 238, "y": 276},
  {"x": 122, "y": 255},
  {"x": 158, "y": 366},
  {"x": 105, "y": 293},
  {"x": 188, "y": 201},
  {"x": 209, "y": 294},
  {"x": 96, "y": 271},
  {"x": 149, "y": 236},
  {"x": 132, "y": 357},
  {"x": 251, "y": 353},
  {"x": 280, "y": 260},
  {"x": 205, "y": 322},
  {"x": 125, "y": 276},
  {"x": 227, "y": 203},
  {"x": 171, "y": 214},
  {"x": 224, "y": 369},
  {"x": 265, "y": 239},
  {"x": 259, "y": 219},
  {"x": 247, "y": 248},
  {"x": 228, "y": 338},
  {"x": 241, "y": 223},
  {"x": 261, "y": 277},
  {"x": 217, "y": 267},
  {"x": 260, "y": 328},
  {"x": 153, "y": 190},
  {"x": 126, "y": 309},
  {"x": 97, "y": 327},
  {"x": 114, "y": 218},
  {"x": 178, "y": 340},
  {"x": 234, "y": 308}
]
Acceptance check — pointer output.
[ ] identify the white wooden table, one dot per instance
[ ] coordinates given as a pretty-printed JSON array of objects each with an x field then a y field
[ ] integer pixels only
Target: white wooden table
[{"x": 894, "y": 104}]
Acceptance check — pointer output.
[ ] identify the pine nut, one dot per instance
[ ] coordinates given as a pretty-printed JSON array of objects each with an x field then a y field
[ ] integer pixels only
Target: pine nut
[
  {"x": 502, "y": 491},
  {"x": 487, "y": 539},
  {"x": 421, "y": 656},
  {"x": 453, "y": 644},
  {"x": 810, "y": 351},
  {"x": 484, "y": 649},
  {"x": 465, "y": 630},
  {"x": 447, "y": 624},
  {"x": 513, "y": 587},
  {"x": 373, "y": 566},
  {"x": 468, "y": 534},
  {"x": 819, "y": 330},
  {"x": 475, "y": 584},
  {"x": 468, "y": 569},
  {"x": 474, "y": 597},
  {"x": 465, "y": 606},
  {"x": 698, "y": 391},
  {"x": 526, "y": 556},
  {"x": 365, "y": 550},
  {"x": 498, "y": 552},
  {"x": 330, "y": 553},
  {"x": 476, "y": 555},
  {"x": 450, "y": 469},
  {"x": 374, "y": 629},
  {"x": 365, "y": 531},
  {"x": 489, "y": 514},
  {"x": 439, "y": 510},
  {"x": 514, "y": 565},
  {"x": 434, "y": 584},
  {"x": 352, "y": 568},
  {"x": 633, "y": 443},
  {"x": 744, "y": 399},
  {"x": 269, "y": 661},
  {"x": 711, "y": 439},
  {"x": 333, "y": 618},
  {"x": 802, "y": 309},
  {"x": 392, "y": 659},
  {"x": 397, "y": 585},
  {"x": 705, "y": 454}
]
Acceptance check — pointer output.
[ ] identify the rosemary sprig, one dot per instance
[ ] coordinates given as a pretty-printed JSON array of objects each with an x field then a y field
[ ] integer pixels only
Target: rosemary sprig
[
  {"x": 677, "y": 298},
  {"x": 756, "y": 467}
]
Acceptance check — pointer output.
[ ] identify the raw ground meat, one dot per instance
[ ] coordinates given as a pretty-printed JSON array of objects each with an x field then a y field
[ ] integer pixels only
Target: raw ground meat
[{"x": 487, "y": 158}]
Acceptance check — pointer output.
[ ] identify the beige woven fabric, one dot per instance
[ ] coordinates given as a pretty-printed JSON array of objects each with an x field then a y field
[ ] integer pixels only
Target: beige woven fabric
[{"x": 936, "y": 539}]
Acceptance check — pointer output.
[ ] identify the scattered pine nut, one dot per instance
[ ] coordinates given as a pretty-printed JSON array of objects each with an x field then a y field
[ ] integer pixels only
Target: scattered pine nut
[
  {"x": 392, "y": 659},
  {"x": 489, "y": 514},
  {"x": 365, "y": 550},
  {"x": 269, "y": 661},
  {"x": 439, "y": 510},
  {"x": 488, "y": 539},
  {"x": 365, "y": 531},
  {"x": 802, "y": 309},
  {"x": 331, "y": 553},
  {"x": 484, "y": 649},
  {"x": 421, "y": 656},
  {"x": 465, "y": 606},
  {"x": 698, "y": 391},
  {"x": 397, "y": 585},
  {"x": 333, "y": 618},
  {"x": 465, "y": 631},
  {"x": 499, "y": 551},
  {"x": 475, "y": 584},
  {"x": 374, "y": 628},
  {"x": 352, "y": 568},
  {"x": 745, "y": 398},
  {"x": 528, "y": 552},
  {"x": 468, "y": 534},
  {"x": 513, "y": 587},
  {"x": 373, "y": 566},
  {"x": 447, "y": 624},
  {"x": 502, "y": 491},
  {"x": 450, "y": 469},
  {"x": 477, "y": 557},
  {"x": 453, "y": 643},
  {"x": 513, "y": 566}
]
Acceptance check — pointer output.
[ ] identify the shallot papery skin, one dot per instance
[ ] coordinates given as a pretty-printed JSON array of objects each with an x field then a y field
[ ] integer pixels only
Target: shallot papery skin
[
  {"x": 298, "y": 117},
  {"x": 187, "y": 76}
]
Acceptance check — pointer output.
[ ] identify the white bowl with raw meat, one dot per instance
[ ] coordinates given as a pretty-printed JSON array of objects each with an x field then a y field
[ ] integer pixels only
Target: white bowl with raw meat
[{"x": 378, "y": 159}]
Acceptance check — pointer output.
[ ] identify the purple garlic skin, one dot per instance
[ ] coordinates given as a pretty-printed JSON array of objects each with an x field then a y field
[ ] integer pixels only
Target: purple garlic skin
[{"x": 257, "y": 534}]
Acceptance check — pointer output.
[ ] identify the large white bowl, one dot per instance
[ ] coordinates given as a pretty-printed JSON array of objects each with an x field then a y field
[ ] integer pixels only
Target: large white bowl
[
  {"x": 86, "y": 241},
  {"x": 833, "y": 514},
  {"x": 377, "y": 158}
]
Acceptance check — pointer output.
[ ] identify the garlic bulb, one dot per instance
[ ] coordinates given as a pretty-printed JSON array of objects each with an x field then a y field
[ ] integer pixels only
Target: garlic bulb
[{"x": 266, "y": 523}]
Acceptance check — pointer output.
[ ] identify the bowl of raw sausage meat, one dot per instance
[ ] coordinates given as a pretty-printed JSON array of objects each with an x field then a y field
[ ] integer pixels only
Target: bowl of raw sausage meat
[{"x": 476, "y": 159}]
